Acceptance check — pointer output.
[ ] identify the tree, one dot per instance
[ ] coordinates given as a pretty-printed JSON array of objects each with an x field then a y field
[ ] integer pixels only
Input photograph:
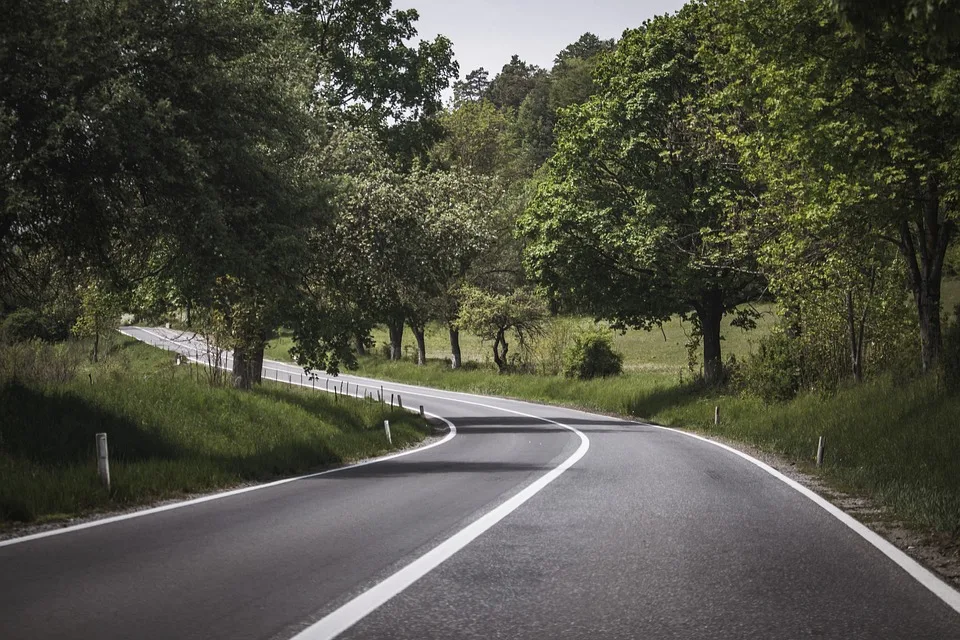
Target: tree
[
  {"x": 461, "y": 213},
  {"x": 365, "y": 67},
  {"x": 158, "y": 140},
  {"x": 493, "y": 317},
  {"x": 472, "y": 88},
  {"x": 479, "y": 139},
  {"x": 628, "y": 223},
  {"x": 513, "y": 83},
  {"x": 99, "y": 314},
  {"x": 585, "y": 48},
  {"x": 570, "y": 82},
  {"x": 862, "y": 130}
]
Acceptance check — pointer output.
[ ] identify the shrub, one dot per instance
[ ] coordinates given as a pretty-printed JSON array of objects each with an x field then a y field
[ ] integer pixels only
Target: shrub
[
  {"x": 40, "y": 363},
  {"x": 22, "y": 325},
  {"x": 775, "y": 372},
  {"x": 592, "y": 356},
  {"x": 550, "y": 350}
]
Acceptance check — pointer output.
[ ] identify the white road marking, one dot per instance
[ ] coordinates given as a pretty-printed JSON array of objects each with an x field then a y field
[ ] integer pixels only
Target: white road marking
[
  {"x": 226, "y": 494},
  {"x": 918, "y": 572},
  {"x": 352, "y": 612},
  {"x": 944, "y": 591},
  {"x": 361, "y": 606}
]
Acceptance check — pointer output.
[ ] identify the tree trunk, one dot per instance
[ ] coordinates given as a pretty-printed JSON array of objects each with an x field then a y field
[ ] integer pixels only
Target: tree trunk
[
  {"x": 395, "y": 327},
  {"x": 928, "y": 307},
  {"x": 500, "y": 348},
  {"x": 856, "y": 343},
  {"x": 924, "y": 255},
  {"x": 360, "y": 345},
  {"x": 96, "y": 346},
  {"x": 710, "y": 313},
  {"x": 248, "y": 365},
  {"x": 188, "y": 319},
  {"x": 418, "y": 333},
  {"x": 456, "y": 360}
]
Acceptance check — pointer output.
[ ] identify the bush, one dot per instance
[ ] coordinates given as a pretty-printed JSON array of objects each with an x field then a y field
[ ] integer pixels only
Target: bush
[
  {"x": 22, "y": 325},
  {"x": 550, "y": 350},
  {"x": 40, "y": 363},
  {"x": 592, "y": 356},
  {"x": 775, "y": 372}
]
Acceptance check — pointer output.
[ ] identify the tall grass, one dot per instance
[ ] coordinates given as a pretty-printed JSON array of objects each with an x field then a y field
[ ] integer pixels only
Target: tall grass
[{"x": 169, "y": 432}]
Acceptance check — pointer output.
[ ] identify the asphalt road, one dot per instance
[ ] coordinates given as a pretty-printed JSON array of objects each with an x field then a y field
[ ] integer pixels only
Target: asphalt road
[{"x": 531, "y": 522}]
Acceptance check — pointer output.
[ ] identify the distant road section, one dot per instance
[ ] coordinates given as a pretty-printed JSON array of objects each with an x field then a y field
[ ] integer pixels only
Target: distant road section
[{"x": 533, "y": 522}]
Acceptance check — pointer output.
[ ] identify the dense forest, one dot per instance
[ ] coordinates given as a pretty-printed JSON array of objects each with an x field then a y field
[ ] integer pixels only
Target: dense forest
[{"x": 255, "y": 165}]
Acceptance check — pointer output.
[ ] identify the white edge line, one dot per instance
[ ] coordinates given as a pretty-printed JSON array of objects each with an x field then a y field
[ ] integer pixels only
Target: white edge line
[
  {"x": 226, "y": 494},
  {"x": 921, "y": 574},
  {"x": 918, "y": 572},
  {"x": 355, "y": 610}
]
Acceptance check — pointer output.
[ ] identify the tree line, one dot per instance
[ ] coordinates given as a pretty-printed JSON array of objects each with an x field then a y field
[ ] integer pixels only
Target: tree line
[{"x": 267, "y": 164}]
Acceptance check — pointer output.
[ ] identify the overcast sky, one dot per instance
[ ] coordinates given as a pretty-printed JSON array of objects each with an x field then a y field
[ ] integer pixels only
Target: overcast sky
[{"x": 485, "y": 33}]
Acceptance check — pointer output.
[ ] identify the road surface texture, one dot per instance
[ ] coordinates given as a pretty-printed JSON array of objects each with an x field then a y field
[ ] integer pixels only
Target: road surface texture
[{"x": 530, "y": 521}]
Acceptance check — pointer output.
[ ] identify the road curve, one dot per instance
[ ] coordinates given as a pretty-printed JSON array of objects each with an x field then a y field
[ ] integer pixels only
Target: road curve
[{"x": 533, "y": 522}]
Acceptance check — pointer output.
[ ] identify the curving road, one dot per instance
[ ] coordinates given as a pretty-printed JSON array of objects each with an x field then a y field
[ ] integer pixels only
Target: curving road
[{"x": 527, "y": 521}]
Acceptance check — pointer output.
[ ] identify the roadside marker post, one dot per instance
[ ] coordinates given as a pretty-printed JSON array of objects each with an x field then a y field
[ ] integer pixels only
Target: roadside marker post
[
  {"x": 421, "y": 411},
  {"x": 399, "y": 401},
  {"x": 103, "y": 460},
  {"x": 391, "y": 401},
  {"x": 716, "y": 415},
  {"x": 821, "y": 446},
  {"x": 386, "y": 428}
]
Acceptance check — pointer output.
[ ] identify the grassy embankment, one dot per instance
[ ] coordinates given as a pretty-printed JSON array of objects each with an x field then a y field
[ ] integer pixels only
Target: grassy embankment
[
  {"x": 170, "y": 433},
  {"x": 897, "y": 442}
]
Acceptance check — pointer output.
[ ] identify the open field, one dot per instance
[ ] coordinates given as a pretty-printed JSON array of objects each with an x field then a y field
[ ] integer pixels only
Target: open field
[
  {"x": 663, "y": 352},
  {"x": 170, "y": 434}
]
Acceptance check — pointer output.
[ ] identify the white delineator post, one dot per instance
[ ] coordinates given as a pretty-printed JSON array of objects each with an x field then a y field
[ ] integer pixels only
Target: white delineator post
[
  {"x": 716, "y": 415},
  {"x": 103, "y": 460},
  {"x": 821, "y": 446},
  {"x": 386, "y": 429}
]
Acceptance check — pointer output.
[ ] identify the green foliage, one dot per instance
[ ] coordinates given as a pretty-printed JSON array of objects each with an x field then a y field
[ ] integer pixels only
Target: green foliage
[
  {"x": 775, "y": 372},
  {"x": 628, "y": 222},
  {"x": 367, "y": 67},
  {"x": 492, "y": 317},
  {"x": 99, "y": 314},
  {"x": 852, "y": 136},
  {"x": 22, "y": 325},
  {"x": 38, "y": 362},
  {"x": 170, "y": 435},
  {"x": 592, "y": 356}
]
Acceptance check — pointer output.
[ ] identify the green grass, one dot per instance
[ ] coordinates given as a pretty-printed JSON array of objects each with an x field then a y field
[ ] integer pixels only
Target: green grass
[
  {"x": 170, "y": 434},
  {"x": 895, "y": 441},
  {"x": 655, "y": 351}
]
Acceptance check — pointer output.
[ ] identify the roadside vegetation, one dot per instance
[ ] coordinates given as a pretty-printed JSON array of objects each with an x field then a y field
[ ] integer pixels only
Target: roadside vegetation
[
  {"x": 171, "y": 433},
  {"x": 892, "y": 439},
  {"x": 762, "y": 194}
]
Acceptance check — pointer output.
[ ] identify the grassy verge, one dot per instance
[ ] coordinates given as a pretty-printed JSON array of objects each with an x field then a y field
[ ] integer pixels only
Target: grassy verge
[
  {"x": 895, "y": 442},
  {"x": 170, "y": 434}
]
